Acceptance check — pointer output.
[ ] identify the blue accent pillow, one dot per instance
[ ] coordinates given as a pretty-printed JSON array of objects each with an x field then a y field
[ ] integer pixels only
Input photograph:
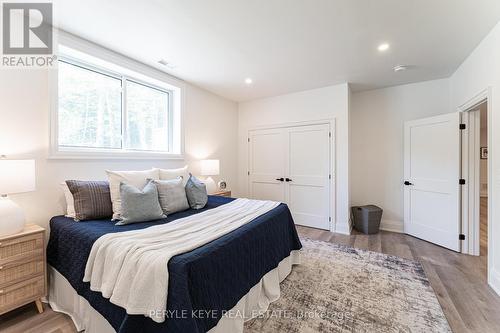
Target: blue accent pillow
[
  {"x": 172, "y": 195},
  {"x": 196, "y": 193},
  {"x": 139, "y": 205}
]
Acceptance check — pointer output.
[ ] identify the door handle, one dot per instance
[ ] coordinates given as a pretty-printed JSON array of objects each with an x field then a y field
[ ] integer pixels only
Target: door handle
[
  {"x": 280, "y": 179},
  {"x": 288, "y": 179},
  {"x": 407, "y": 183}
]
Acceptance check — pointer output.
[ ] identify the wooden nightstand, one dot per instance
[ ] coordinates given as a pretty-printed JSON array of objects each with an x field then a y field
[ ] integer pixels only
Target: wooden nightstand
[
  {"x": 22, "y": 269},
  {"x": 222, "y": 193}
]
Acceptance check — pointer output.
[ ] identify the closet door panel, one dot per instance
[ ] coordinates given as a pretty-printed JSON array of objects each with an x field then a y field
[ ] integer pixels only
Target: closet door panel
[
  {"x": 292, "y": 165},
  {"x": 308, "y": 165},
  {"x": 267, "y": 150}
]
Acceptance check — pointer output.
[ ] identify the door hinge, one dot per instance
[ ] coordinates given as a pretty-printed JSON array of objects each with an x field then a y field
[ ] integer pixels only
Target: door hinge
[
  {"x": 329, "y": 176},
  {"x": 461, "y": 237},
  {"x": 329, "y": 134},
  {"x": 461, "y": 181},
  {"x": 248, "y": 139},
  {"x": 462, "y": 126},
  {"x": 329, "y": 219},
  {"x": 248, "y": 173}
]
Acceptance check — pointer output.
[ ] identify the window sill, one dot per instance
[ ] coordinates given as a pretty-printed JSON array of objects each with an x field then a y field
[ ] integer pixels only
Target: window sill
[{"x": 113, "y": 155}]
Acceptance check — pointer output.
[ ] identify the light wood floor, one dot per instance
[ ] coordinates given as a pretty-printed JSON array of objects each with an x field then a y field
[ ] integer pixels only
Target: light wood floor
[
  {"x": 483, "y": 228},
  {"x": 459, "y": 282}
]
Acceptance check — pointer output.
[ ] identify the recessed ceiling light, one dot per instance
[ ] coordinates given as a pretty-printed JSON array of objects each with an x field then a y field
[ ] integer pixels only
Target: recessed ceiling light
[
  {"x": 383, "y": 47},
  {"x": 248, "y": 80}
]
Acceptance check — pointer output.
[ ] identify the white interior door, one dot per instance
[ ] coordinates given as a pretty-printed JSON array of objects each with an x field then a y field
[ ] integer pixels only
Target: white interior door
[
  {"x": 307, "y": 187},
  {"x": 267, "y": 164},
  {"x": 432, "y": 172},
  {"x": 292, "y": 165}
]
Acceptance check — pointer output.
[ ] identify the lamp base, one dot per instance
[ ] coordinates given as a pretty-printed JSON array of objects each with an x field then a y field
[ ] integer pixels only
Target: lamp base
[
  {"x": 210, "y": 184},
  {"x": 12, "y": 218}
]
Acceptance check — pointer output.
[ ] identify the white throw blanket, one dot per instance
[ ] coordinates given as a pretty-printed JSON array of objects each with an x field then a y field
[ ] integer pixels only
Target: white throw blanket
[{"x": 131, "y": 268}]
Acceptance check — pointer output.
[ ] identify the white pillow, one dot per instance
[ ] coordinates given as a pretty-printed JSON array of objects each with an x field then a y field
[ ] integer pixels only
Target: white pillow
[
  {"x": 70, "y": 202},
  {"x": 169, "y": 174},
  {"x": 138, "y": 179}
]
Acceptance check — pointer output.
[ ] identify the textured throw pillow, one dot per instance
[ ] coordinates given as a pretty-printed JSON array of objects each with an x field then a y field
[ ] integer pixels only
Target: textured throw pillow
[
  {"x": 135, "y": 178},
  {"x": 92, "y": 199},
  {"x": 139, "y": 205},
  {"x": 172, "y": 195},
  {"x": 70, "y": 202},
  {"x": 196, "y": 193},
  {"x": 169, "y": 174}
]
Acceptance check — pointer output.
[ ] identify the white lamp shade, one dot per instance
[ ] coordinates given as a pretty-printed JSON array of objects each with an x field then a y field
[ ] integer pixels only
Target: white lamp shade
[
  {"x": 17, "y": 176},
  {"x": 210, "y": 167}
]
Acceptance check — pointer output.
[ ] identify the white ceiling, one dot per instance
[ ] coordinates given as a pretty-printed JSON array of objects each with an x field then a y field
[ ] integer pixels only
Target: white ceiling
[{"x": 286, "y": 45}]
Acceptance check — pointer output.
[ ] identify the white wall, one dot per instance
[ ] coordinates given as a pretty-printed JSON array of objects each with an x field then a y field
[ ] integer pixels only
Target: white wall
[
  {"x": 377, "y": 122},
  {"x": 480, "y": 71},
  {"x": 318, "y": 104},
  {"x": 210, "y": 131}
]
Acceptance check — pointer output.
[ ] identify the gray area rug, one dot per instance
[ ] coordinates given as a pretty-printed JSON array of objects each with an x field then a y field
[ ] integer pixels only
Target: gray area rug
[{"x": 343, "y": 289}]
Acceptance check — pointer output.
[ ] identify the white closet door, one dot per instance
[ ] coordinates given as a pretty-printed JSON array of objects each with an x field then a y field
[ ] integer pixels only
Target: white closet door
[
  {"x": 267, "y": 150},
  {"x": 307, "y": 189},
  {"x": 292, "y": 165}
]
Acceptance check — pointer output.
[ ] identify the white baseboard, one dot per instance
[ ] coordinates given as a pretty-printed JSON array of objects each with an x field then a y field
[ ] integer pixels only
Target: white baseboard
[
  {"x": 392, "y": 225},
  {"x": 494, "y": 281},
  {"x": 386, "y": 225}
]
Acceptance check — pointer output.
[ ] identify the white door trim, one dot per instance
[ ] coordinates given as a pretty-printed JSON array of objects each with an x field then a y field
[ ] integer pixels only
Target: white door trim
[
  {"x": 485, "y": 95},
  {"x": 470, "y": 172},
  {"x": 333, "y": 160}
]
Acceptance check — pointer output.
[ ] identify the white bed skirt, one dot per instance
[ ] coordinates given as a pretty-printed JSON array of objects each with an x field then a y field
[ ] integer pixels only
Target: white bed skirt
[{"x": 63, "y": 298}]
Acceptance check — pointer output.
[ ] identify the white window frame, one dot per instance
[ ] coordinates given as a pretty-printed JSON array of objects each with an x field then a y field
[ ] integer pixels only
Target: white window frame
[{"x": 132, "y": 71}]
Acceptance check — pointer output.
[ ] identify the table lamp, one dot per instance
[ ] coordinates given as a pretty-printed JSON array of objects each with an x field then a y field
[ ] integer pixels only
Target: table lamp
[
  {"x": 16, "y": 176},
  {"x": 210, "y": 168}
]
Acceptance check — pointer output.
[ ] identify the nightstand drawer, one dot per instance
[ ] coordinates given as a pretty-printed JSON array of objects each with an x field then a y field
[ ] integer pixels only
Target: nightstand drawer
[
  {"x": 21, "y": 293},
  {"x": 21, "y": 249},
  {"x": 16, "y": 272}
]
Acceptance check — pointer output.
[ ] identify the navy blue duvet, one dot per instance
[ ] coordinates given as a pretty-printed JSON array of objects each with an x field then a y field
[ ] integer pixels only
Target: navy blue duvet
[{"x": 210, "y": 278}]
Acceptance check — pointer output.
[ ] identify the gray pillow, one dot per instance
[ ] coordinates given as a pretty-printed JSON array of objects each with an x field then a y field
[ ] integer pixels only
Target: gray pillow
[
  {"x": 196, "y": 193},
  {"x": 172, "y": 195},
  {"x": 139, "y": 206},
  {"x": 92, "y": 199}
]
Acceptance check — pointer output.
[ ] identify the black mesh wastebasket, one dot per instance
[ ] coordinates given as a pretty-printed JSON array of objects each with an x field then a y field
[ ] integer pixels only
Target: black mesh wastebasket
[{"x": 367, "y": 218}]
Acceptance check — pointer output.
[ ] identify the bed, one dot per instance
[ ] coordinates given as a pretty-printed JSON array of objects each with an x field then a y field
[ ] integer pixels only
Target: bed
[{"x": 239, "y": 271}]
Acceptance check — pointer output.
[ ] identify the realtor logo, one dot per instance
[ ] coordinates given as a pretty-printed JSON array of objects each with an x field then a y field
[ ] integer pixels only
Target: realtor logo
[
  {"x": 27, "y": 35},
  {"x": 27, "y": 28}
]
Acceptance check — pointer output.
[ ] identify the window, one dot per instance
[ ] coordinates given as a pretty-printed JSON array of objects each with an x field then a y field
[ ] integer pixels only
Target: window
[
  {"x": 106, "y": 109},
  {"x": 90, "y": 108},
  {"x": 147, "y": 117}
]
